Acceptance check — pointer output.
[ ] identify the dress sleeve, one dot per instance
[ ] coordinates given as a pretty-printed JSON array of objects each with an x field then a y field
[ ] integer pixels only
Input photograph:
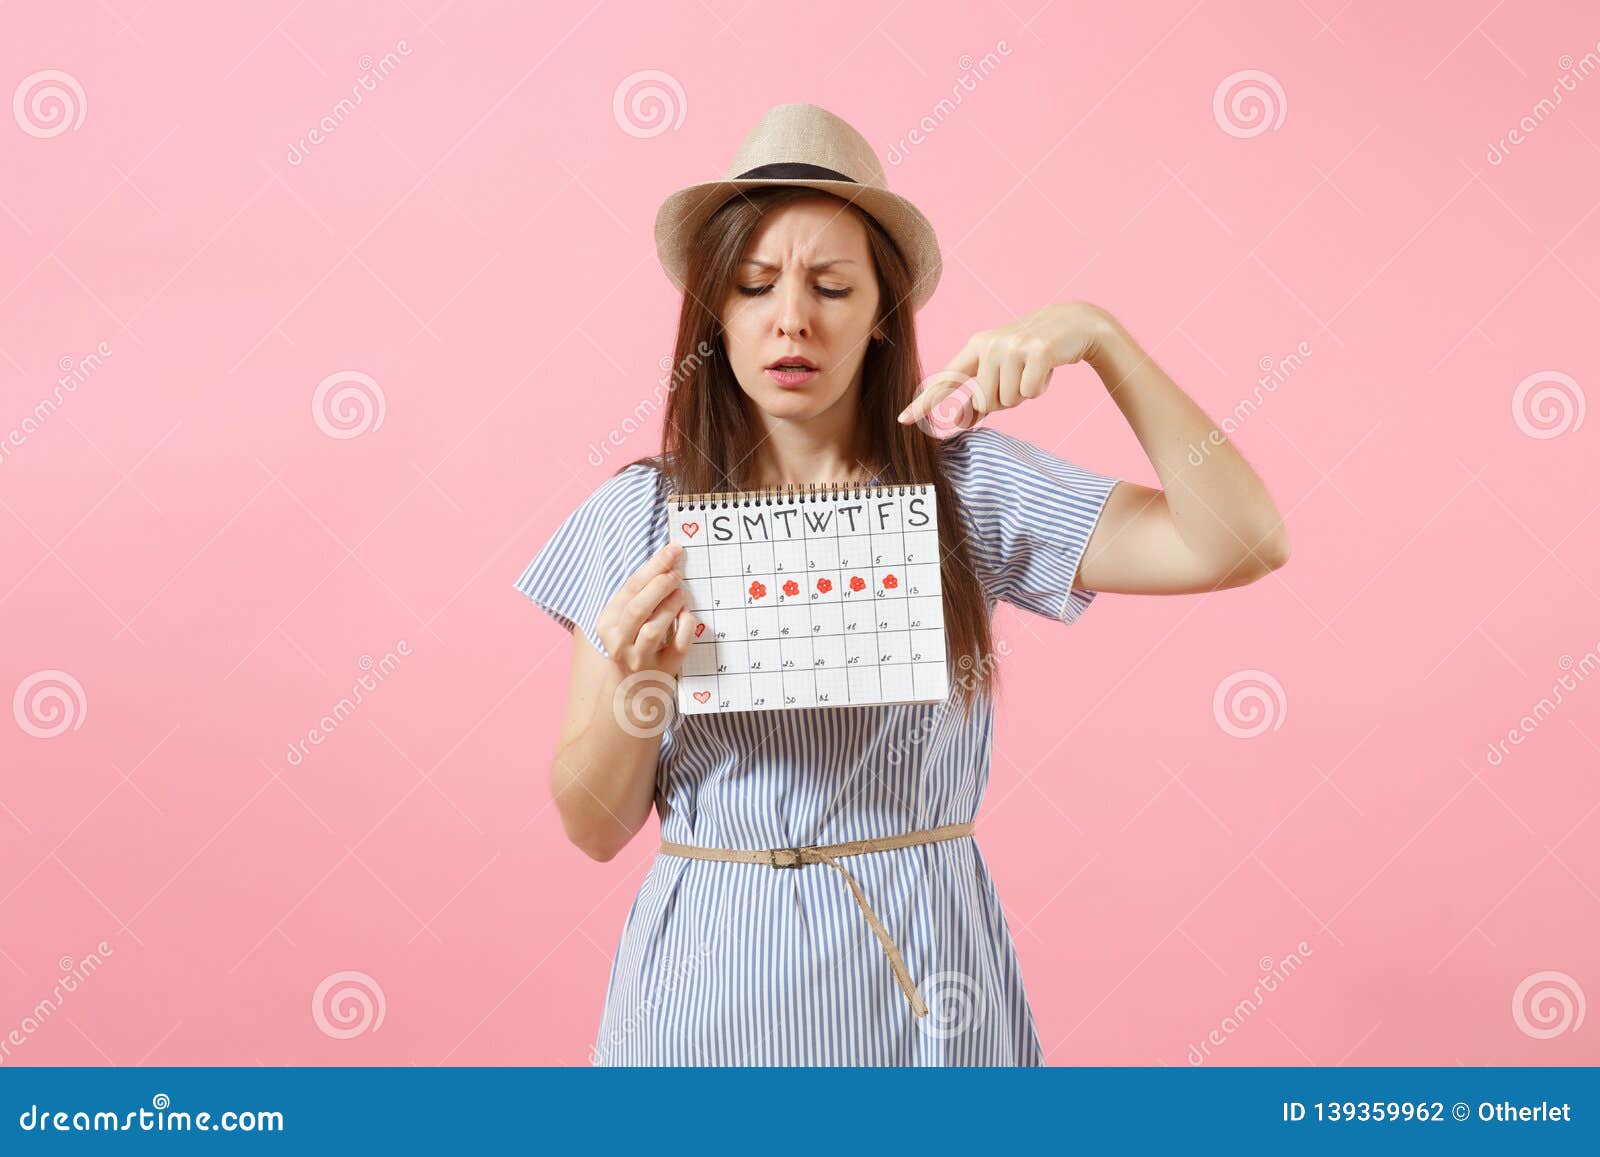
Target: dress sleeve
[
  {"x": 611, "y": 534},
  {"x": 1029, "y": 518}
]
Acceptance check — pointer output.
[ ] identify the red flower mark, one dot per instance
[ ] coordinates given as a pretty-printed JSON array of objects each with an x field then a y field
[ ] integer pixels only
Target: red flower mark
[
  {"x": 824, "y": 585},
  {"x": 757, "y": 591},
  {"x": 857, "y": 583},
  {"x": 791, "y": 588},
  {"x": 890, "y": 581}
]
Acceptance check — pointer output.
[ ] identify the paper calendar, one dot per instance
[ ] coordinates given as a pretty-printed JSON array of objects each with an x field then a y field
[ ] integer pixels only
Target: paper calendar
[{"x": 815, "y": 597}]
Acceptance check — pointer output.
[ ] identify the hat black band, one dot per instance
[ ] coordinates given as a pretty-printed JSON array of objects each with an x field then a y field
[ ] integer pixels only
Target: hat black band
[{"x": 790, "y": 169}]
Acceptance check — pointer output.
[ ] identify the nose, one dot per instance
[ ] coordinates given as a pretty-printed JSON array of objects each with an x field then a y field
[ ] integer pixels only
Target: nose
[{"x": 793, "y": 321}]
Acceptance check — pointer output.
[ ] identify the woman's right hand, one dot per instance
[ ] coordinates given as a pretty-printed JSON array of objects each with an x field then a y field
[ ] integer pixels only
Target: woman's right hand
[{"x": 636, "y": 625}]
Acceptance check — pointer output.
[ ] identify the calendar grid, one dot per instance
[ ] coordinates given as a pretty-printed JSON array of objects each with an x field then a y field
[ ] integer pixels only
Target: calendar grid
[
  {"x": 809, "y": 683},
  {"x": 778, "y": 581},
  {"x": 872, "y": 591},
  {"x": 898, "y": 558}
]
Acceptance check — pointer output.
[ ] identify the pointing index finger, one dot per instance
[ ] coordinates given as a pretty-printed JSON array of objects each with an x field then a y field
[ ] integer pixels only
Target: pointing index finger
[
  {"x": 942, "y": 384},
  {"x": 927, "y": 400}
]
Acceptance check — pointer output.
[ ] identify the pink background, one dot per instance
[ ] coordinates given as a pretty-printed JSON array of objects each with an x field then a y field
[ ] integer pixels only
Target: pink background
[{"x": 187, "y": 541}]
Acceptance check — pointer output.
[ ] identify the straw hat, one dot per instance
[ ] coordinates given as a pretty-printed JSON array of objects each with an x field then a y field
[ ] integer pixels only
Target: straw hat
[{"x": 802, "y": 144}]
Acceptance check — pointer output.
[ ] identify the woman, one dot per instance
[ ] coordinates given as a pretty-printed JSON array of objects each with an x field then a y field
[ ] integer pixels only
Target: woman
[{"x": 797, "y": 365}]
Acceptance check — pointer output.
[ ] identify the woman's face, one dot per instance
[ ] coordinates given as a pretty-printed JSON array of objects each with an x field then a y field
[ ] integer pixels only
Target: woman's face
[{"x": 805, "y": 290}]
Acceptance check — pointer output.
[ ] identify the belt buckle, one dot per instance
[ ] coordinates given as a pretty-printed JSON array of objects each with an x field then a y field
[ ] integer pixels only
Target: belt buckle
[{"x": 794, "y": 862}]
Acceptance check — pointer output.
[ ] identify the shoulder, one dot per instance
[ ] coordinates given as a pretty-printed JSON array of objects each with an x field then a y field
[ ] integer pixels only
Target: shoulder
[
  {"x": 613, "y": 527},
  {"x": 635, "y": 488},
  {"x": 981, "y": 459},
  {"x": 1009, "y": 488},
  {"x": 976, "y": 444},
  {"x": 611, "y": 532},
  {"x": 985, "y": 445},
  {"x": 619, "y": 518}
]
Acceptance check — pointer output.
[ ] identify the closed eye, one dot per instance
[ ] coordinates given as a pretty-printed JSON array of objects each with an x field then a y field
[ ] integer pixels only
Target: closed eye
[{"x": 758, "y": 290}]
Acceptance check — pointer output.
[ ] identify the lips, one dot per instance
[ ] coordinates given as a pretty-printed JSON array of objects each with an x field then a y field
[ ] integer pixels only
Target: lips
[{"x": 792, "y": 371}]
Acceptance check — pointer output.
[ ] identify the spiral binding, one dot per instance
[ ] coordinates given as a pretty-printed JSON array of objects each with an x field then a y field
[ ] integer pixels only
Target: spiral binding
[{"x": 790, "y": 494}]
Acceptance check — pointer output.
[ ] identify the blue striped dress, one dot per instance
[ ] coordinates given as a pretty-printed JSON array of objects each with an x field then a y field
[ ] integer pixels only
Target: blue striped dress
[{"x": 741, "y": 964}]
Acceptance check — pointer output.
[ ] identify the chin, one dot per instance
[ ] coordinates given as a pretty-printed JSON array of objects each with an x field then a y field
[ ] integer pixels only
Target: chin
[
  {"x": 796, "y": 406},
  {"x": 776, "y": 400}
]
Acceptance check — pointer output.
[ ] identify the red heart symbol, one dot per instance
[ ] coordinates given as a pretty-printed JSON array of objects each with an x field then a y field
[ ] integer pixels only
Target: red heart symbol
[
  {"x": 699, "y": 628},
  {"x": 691, "y": 528},
  {"x": 702, "y": 696}
]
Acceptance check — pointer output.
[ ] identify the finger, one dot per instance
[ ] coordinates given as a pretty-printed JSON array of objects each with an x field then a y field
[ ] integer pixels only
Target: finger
[
  {"x": 1011, "y": 367},
  {"x": 965, "y": 363},
  {"x": 638, "y": 609},
  {"x": 986, "y": 383},
  {"x": 1035, "y": 376},
  {"x": 939, "y": 388},
  {"x": 653, "y": 634},
  {"x": 944, "y": 383},
  {"x": 684, "y": 639},
  {"x": 660, "y": 562}
]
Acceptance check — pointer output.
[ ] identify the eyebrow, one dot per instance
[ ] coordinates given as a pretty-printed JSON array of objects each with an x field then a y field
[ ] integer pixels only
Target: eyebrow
[{"x": 817, "y": 268}]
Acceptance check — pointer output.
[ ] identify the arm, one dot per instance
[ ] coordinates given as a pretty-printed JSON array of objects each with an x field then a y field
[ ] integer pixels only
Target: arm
[
  {"x": 1211, "y": 526},
  {"x": 603, "y": 778},
  {"x": 603, "y": 774}
]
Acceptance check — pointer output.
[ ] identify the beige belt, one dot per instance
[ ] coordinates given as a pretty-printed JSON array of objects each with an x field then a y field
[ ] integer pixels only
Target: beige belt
[{"x": 824, "y": 854}]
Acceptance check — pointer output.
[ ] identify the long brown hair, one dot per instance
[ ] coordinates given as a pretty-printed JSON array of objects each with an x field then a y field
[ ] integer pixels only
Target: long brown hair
[{"x": 708, "y": 424}]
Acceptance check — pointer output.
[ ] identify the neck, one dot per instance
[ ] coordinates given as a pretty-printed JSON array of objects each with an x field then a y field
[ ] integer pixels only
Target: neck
[{"x": 828, "y": 448}]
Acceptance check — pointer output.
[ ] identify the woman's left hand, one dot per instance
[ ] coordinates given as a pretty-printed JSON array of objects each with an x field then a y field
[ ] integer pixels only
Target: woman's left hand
[{"x": 1013, "y": 363}]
